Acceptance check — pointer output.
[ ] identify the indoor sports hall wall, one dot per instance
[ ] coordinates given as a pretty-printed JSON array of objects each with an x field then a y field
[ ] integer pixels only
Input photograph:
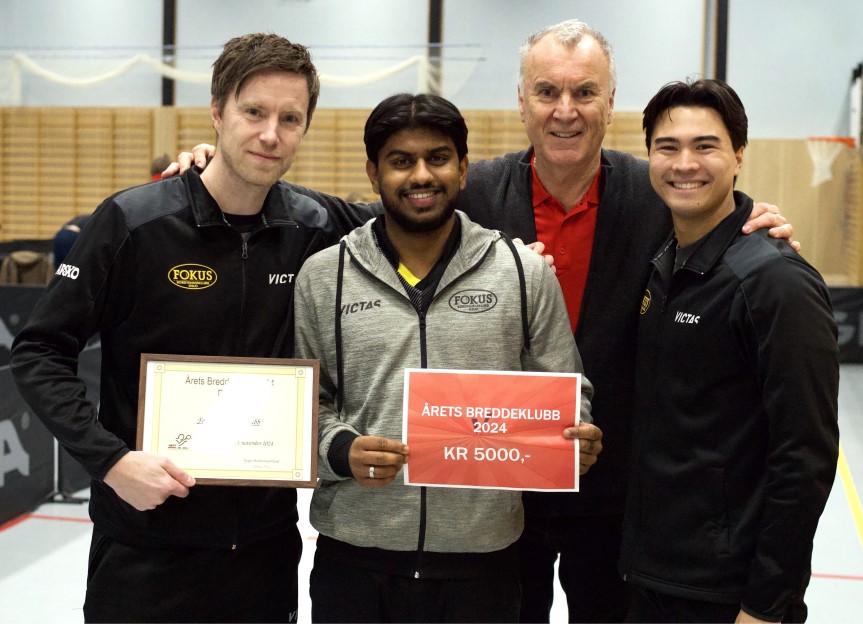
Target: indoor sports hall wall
[{"x": 56, "y": 163}]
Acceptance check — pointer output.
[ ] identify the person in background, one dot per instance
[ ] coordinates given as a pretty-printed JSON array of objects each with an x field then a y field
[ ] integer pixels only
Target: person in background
[
  {"x": 735, "y": 434},
  {"x": 159, "y": 164},
  {"x": 66, "y": 237}
]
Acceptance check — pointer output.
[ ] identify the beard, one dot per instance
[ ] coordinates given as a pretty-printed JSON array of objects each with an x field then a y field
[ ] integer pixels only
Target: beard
[{"x": 416, "y": 224}]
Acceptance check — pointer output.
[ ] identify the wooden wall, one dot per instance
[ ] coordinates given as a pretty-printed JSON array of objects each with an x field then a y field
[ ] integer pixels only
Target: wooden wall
[
  {"x": 827, "y": 216},
  {"x": 56, "y": 163}
]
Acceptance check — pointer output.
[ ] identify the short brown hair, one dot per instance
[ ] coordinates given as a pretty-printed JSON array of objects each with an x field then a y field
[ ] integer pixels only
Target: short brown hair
[{"x": 242, "y": 57}]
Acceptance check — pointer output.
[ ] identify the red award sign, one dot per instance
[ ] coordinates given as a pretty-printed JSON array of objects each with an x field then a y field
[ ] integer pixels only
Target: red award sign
[{"x": 491, "y": 429}]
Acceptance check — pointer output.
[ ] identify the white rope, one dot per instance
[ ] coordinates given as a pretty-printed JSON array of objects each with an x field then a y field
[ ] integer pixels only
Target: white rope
[
  {"x": 179, "y": 75},
  {"x": 352, "y": 81},
  {"x": 30, "y": 65}
]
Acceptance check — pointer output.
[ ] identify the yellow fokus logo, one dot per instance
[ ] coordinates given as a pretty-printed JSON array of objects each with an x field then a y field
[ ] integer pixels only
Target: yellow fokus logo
[
  {"x": 192, "y": 276},
  {"x": 645, "y": 302}
]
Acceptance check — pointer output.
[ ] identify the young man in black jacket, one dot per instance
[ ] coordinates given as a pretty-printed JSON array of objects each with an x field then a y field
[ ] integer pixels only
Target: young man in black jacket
[
  {"x": 735, "y": 435},
  {"x": 185, "y": 266}
]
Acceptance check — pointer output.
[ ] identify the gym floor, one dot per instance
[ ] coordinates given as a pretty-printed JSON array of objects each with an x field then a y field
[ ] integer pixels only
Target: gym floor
[{"x": 43, "y": 566}]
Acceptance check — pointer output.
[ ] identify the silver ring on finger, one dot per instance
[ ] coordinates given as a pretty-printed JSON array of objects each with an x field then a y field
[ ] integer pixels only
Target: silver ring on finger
[{"x": 371, "y": 472}]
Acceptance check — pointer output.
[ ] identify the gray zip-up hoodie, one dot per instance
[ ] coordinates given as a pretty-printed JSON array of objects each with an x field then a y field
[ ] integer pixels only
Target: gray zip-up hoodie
[{"x": 381, "y": 335}]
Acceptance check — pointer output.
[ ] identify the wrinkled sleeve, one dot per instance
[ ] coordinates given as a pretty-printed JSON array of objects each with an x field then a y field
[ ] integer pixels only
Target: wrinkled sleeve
[
  {"x": 344, "y": 215},
  {"x": 314, "y": 314},
  {"x": 786, "y": 316},
  {"x": 74, "y": 307}
]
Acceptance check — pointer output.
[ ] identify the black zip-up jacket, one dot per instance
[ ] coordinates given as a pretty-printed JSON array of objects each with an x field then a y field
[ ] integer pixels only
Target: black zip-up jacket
[
  {"x": 735, "y": 435},
  {"x": 120, "y": 281}
]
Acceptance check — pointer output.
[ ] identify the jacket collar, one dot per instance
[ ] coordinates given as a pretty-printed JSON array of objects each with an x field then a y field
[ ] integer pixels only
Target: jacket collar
[
  {"x": 607, "y": 169},
  {"x": 379, "y": 231},
  {"x": 715, "y": 243},
  {"x": 526, "y": 156},
  {"x": 474, "y": 244},
  {"x": 207, "y": 212}
]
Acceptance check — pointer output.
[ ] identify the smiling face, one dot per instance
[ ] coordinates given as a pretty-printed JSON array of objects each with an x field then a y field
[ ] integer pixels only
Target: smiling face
[
  {"x": 692, "y": 168},
  {"x": 418, "y": 176},
  {"x": 260, "y": 130},
  {"x": 566, "y": 103}
]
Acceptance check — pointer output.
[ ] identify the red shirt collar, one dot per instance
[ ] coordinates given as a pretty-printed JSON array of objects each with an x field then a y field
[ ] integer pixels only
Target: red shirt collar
[{"x": 541, "y": 195}]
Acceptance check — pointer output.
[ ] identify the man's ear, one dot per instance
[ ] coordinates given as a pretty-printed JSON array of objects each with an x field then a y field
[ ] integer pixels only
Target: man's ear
[
  {"x": 520, "y": 104},
  {"x": 611, "y": 106},
  {"x": 462, "y": 172},
  {"x": 215, "y": 116},
  {"x": 372, "y": 172}
]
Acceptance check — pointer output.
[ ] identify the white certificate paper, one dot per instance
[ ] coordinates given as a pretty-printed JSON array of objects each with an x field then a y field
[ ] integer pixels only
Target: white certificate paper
[{"x": 232, "y": 421}]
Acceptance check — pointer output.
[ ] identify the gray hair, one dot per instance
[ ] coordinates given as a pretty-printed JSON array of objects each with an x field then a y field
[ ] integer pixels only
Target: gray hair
[{"x": 568, "y": 33}]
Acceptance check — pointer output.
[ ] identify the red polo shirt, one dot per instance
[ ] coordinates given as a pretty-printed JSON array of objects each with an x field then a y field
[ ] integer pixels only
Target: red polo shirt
[{"x": 568, "y": 237}]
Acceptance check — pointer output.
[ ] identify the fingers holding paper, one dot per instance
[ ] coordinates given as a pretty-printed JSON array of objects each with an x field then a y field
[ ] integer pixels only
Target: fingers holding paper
[
  {"x": 375, "y": 461},
  {"x": 145, "y": 481},
  {"x": 589, "y": 438}
]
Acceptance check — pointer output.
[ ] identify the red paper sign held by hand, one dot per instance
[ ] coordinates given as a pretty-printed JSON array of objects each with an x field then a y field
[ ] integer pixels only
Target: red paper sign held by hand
[{"x": 491, "y": 429}]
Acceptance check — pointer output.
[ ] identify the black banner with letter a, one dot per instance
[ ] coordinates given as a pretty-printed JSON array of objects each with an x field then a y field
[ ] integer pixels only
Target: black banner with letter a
[
  {"x": 848, "y": 311},
  {"x": 28, "y": 453}
]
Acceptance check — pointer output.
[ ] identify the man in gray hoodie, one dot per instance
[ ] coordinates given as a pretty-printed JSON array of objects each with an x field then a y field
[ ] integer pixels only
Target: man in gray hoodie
[{"x": 381, "y": 302}]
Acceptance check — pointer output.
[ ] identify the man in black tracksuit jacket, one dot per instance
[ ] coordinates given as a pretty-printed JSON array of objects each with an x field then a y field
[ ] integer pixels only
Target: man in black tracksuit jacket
[
  {"x": 166, "y": 268},
  {"x": 735, "y": 435}
]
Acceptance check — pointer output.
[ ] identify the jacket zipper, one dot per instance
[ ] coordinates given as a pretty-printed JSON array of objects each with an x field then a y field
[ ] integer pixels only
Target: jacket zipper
[{"x": 244, "y": 256}]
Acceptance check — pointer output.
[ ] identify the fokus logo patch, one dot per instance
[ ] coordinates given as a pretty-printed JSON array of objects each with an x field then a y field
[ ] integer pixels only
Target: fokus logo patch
[
  {"x": 192, "y": 276},
  {"x": 473, "y": 301},
  {"x": 645, "y": 301}
]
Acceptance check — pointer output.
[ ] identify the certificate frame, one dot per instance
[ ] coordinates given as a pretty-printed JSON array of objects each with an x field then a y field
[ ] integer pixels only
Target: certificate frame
[{"x": 239, "y": 421}]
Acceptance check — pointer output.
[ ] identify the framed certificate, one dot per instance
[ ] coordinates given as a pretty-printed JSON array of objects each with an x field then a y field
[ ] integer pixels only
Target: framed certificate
[{"x": 231, "y": 420}]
